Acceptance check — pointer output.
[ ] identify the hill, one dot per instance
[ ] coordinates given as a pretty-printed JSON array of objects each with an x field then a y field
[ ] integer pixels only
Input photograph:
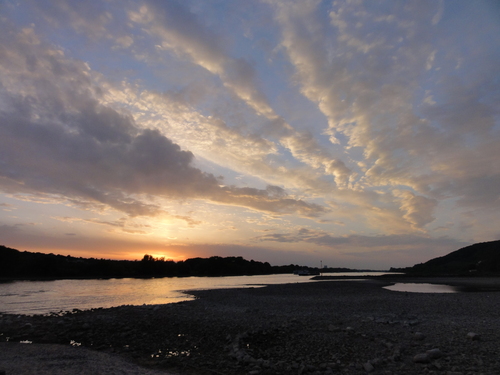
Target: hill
[{"x": 481, "y": 259}]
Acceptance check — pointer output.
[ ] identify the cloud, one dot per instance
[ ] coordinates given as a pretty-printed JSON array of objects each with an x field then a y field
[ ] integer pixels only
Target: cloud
[
  {"x": 180, "y": 31},
  {"x": 56, "y": 138},
  {"x": 364, "y": 69},
  {"x": 7, "y": 207},
  {"x": 7, "y": 230},
  {"x": 325, "y": 239},
  {"x": 370, "y": 251},
  {"x": 268, "y": 200},
  {"x": 417, "y": 210}
]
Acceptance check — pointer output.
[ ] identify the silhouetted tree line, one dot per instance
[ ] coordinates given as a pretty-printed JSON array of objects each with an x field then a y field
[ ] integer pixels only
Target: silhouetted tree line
[{"x": 15, "y": 264}]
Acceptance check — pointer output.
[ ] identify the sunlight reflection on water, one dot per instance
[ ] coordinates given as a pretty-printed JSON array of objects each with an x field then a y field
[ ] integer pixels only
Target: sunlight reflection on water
[{"x": 43, "y": 297}]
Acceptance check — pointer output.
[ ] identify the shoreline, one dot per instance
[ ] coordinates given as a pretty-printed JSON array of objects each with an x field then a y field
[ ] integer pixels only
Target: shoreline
[
  {"x": 13, "y": 279},
  {"x": 327, "y": 327}
]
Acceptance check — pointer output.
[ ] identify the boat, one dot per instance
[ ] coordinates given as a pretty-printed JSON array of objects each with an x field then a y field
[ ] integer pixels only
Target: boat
[{"x": 306, "y": 272}]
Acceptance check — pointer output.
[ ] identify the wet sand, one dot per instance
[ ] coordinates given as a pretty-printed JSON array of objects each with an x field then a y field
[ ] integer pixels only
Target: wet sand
[{"x": 326, "y": 327}]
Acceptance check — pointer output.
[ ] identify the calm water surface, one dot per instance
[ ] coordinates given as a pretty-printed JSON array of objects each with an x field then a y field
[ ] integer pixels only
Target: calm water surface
[{"x": 42, "y": 297}]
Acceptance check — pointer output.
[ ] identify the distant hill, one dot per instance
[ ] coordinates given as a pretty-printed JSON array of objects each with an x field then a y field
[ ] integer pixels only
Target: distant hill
[
  {"x": 15, "y": 264},
  {"x": 480, "y": 259}
]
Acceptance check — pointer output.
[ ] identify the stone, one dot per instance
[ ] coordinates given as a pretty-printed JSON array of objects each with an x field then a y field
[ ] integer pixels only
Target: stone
[
  {"x": 421, "y": 358},
  {"x": 376, "y": 362},
  {"x": 473, "y": 336},
  {"x": 419, "y": 336},
  {"x": 333, "y": 328},
  {"x": 438, "y": 365},
  {"x": 368, "y": 367},
  {"x": 388, "y": 344},
  {"x": 434, "y": 353}
]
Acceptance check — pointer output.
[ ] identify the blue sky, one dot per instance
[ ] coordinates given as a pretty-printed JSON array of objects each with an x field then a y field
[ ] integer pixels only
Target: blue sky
[{"x": 361, "y": 134}]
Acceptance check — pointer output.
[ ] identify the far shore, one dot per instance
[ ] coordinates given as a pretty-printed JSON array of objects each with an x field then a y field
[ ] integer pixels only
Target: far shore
[
  {"x": 322, "y": 328},
  {"x": 24, "y": 278}
]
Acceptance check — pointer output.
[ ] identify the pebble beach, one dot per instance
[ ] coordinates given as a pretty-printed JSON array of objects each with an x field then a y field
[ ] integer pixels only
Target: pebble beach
[{"x": 325, "y": 327}]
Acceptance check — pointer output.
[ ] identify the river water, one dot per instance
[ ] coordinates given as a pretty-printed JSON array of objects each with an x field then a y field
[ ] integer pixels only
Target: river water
[{"x": 42, "y": 297}]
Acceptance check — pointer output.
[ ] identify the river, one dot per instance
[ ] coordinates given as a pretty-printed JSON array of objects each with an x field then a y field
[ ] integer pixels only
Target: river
[{"x": 43, "y": 297}]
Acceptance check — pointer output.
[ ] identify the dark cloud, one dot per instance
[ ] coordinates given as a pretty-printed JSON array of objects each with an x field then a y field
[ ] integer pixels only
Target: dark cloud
[
  {"x": 57, "y": 138},
  {"x": 325, "y": 239}
]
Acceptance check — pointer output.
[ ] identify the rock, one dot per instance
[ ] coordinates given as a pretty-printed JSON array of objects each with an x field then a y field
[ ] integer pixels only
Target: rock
[
  {"x": 388, "y": 345},
  {"x": 333, "y": 328},
  {"x": 473, "y": 336},
  {"x": 310, "y": 368},
  {"x": 419, "y": 336},
  {"x": 368, "y": 367},
  {"x": 332, "y": 365},
  {"x": 434, "y": 353},
  {"x": 422, "y": 358},
  {"x": 437, "y": 365},
  {"x": 376, "y": 362},
  {"x": 248, "y": 359}
]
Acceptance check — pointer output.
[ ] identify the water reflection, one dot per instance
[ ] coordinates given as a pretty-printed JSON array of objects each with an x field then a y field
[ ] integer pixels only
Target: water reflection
[
  {"x": 44, "y": 297},
  {"x": 421, "y": 288}
]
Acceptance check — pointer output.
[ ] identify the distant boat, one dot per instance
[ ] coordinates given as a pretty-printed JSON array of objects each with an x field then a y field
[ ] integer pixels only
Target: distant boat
[{"x": 306, "y": 272}]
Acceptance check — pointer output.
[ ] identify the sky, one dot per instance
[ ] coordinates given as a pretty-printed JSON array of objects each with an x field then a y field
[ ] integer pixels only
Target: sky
[{"x": 360, "y": 134}]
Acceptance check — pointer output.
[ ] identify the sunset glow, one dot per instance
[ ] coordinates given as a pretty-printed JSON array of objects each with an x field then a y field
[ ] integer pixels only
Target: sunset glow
[{"x": 362, "y": 134}]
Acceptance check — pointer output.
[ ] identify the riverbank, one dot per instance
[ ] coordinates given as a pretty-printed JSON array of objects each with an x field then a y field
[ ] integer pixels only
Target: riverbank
[{"x": 327, "y": 327}]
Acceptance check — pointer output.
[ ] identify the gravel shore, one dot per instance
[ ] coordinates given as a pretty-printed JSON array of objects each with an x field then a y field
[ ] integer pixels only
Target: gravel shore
[{"x": 325, "y": 327}]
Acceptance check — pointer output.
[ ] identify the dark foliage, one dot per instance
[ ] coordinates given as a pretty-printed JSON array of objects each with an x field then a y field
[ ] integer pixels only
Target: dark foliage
[
  {"x": 15, "y": 264},
  {"x": 482, "y": 259}
]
